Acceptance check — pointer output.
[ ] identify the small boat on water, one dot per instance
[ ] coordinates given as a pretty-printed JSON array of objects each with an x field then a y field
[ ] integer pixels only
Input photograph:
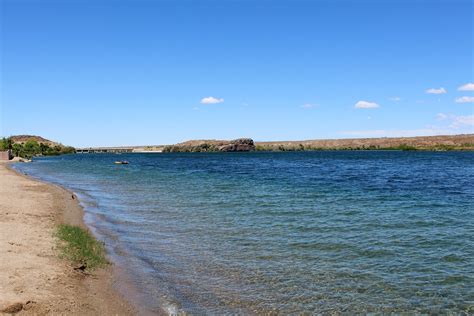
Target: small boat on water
[{"x": 124, "y": 162}]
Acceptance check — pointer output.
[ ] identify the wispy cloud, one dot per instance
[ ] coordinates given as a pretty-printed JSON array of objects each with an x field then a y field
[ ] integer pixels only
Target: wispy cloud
[
  {"x": 366, "y": 105},
  {"x": 397, "y": 133},
  {"x": 467, "y": 87},
  {"x": 464, "y": 100},
  {"x": 308, "y": 106},
  {"x": 457, "y": 121},
  {"x": 461, "y": 121},
  {"x": 436, "y": 91},
  {"x": 395, "y": 99},
  {"x": 449, "y": 124},
  {"x": 211, "y": 100}
]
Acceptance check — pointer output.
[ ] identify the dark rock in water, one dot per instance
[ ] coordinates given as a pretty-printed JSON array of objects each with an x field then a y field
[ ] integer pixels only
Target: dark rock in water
[{"x": 241, "y": 144}]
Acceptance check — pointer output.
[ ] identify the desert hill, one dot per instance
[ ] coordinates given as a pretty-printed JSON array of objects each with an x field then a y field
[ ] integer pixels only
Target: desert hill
[
  {"x": 442, "y": 142},
  {"x": 28, "y": 146},
  {"x": 22, "y": 139}
]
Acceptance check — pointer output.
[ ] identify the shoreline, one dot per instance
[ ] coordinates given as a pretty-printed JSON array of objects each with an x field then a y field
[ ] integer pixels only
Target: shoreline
[{"x": 33, "y": 279}]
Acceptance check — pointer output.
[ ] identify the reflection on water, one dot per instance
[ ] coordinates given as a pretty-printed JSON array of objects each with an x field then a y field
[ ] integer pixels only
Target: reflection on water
[{"x": 284, "y": 232}]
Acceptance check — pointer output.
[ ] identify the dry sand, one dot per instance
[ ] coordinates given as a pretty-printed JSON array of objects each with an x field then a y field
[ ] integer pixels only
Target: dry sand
[{"x": 33, "y": 279}]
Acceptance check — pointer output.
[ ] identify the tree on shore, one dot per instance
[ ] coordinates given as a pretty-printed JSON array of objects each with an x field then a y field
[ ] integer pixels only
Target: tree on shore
[
  {"x": 6, "y": 144},
  {"x": 33, "y": 148}
]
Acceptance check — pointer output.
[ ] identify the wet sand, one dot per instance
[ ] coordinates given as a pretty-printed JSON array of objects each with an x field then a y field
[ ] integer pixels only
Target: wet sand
[{"x": 33, "y": 279}]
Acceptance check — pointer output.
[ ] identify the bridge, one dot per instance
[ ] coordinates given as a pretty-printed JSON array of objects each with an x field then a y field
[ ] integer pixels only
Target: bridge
[
  {"x": 103, "y": 150},
  {"x": 117, "y": 150}
]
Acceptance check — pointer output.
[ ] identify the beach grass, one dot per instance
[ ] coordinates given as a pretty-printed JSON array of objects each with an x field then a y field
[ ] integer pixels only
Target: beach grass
[{"x": 79, "y": 246}]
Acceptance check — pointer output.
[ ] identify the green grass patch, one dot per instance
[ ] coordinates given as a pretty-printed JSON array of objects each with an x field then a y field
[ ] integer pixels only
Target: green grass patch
[{"x": 79, "y": 246}]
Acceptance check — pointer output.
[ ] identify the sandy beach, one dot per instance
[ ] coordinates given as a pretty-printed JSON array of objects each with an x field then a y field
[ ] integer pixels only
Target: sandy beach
[{"x": 33, "y": 279}]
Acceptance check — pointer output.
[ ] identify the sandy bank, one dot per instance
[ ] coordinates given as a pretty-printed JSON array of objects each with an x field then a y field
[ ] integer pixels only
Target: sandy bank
[{"x": 33, "y": 279}]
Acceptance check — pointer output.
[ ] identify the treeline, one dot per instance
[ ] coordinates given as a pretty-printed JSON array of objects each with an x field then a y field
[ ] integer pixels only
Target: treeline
[{"x": 33, "y": 148}]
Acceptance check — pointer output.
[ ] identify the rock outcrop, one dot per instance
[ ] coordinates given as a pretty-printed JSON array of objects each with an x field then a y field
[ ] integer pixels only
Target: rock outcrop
[
  {"x": 241, "y": 144},
  {"x": 237, "y": 145}
]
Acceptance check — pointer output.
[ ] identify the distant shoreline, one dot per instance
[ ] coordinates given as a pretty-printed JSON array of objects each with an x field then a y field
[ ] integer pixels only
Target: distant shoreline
[
  {"x": 463, "y": 142},
  {"x": 27, "y": 146}
]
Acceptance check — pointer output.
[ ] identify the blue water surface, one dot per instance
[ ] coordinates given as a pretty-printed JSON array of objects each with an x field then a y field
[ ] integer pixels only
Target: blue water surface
[{"x": 284, "y": 233}]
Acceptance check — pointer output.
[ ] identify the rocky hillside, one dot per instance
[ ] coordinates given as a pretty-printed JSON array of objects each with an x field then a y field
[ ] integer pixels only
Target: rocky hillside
[
  {"x": 241, "y": 144},
  {"x": 22, "y": 139}
]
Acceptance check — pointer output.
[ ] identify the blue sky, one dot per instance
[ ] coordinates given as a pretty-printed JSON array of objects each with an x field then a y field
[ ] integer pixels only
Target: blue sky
[{"x": 90, "y": 73}]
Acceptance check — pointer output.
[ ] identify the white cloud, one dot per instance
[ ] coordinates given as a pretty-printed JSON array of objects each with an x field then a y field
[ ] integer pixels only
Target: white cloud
[
  {"x": 436, "y": 91},
  {"x": 465, "y": 100},
  {"x": 395, "y": 99},
  {"x": 308, "y": 106},
  {"x": 366, "y": 105},
  {"x": 211, "y": 100},
  {"x": 467, "y": 87},
  {"x": 441, "y": 116}
]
